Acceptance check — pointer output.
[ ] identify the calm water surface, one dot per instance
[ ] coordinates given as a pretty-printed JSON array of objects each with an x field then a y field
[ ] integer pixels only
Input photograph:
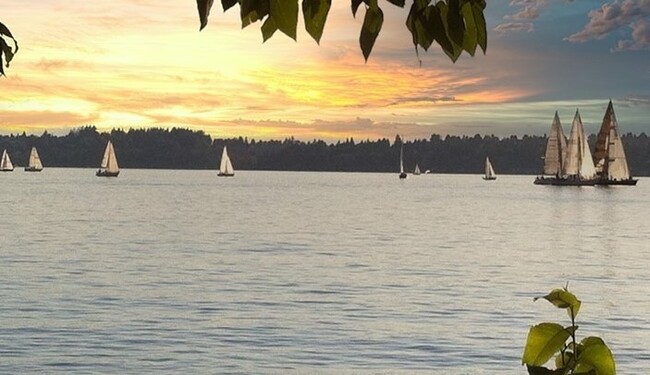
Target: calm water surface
[{"x": 273, "y": 272}]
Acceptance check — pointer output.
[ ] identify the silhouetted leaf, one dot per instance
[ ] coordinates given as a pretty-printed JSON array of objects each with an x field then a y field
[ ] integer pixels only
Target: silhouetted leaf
[
  {"x": 285, "y": 14},
  {"x": 227, "y": 4},
  {"x": 252, "y": 11},
  {"x": 204, "y": 11},
  {"x": 268, "y": 28},
  {"x": 481, "y": 26},
  {"x": 399, "y": 3},
  {"x": 470, "y": 38},
  {"x": 315, "y": 15},
  {"x": 417, "y": 22},
  {"x": 372, "y": 23},
  {"x": 455, "y": 25},
  {"x": 355, "y": 6},
  {"x": 544, "y": 340},
  {"x": 452, "y": 49}
]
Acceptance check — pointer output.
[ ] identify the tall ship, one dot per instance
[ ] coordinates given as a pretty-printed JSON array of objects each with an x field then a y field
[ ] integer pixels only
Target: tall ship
[
  {"x": 109, "y": 166},
  {"x": 5, "y": 163},
  {"x": 577, "y": 167},
  {"x": 34, "y": 164},
  {"x": 609, "y": 155}
]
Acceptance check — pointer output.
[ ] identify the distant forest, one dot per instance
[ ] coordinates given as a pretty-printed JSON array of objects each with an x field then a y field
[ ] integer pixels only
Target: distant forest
[{"x": 188, "y": 149}]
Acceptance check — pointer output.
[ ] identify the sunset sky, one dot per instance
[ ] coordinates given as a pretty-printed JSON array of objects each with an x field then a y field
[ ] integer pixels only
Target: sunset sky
[{"x": 143, "y": 63}]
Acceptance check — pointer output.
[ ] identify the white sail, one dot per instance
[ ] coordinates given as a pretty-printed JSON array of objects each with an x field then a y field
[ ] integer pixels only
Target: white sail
[
  {"x": 35, "y": 160},
  {"x": 578, "y": 157},
  {"x": 609, "y": 154},
  {"x": 417, "y": 169},
  {"x": 555, "y": 149},
  {"x": 109, "y": 161},
  {"x": 225, "y": 168},
  {"x": 489, "y": 171},
  {"x": 5, "y": 163}
]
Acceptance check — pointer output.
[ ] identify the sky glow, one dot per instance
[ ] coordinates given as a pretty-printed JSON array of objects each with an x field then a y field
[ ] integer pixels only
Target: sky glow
[{"x": 143, "y": 63}]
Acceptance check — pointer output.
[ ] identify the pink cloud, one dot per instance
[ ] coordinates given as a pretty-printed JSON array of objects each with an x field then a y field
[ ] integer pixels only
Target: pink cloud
[{"x": 514, "y": 27}]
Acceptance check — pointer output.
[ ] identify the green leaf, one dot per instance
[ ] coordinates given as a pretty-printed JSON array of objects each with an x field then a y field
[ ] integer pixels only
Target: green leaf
[
  {"x": 470, "y": 38},
  {"x": 563, "y": 299},
  {"x": 227, "y": 4},
  {"x": 285, "y": 14},
  {"x": 417, "y": 23},
  {"x": 535, "y": 370},
  {"x": 481, "y": 26},
  {"x": 204, "y": 7},
  {"x": 596, "y": 356},
  {"x": 252, "y": 11},
  {"x": 452, "y": 49},
  {"x": 315, "y": 14},
  {"x": 372, "y": 23},
  {"x": 268, "y": 28},
  {"x": 544, "y": 340},
  {"x": 455, "y": 25}
]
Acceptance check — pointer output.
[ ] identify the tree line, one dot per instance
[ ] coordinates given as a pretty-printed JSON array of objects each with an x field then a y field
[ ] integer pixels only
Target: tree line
[{"x": 179, "y": 148}]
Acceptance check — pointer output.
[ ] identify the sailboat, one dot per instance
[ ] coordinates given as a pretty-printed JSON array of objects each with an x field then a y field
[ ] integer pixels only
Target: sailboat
[
  {"x": 109, "y": 167},
  {"x": 225, "y": 168},
  {"x": 554, "y": 156},
  {"x": 5, "y": 162},
  {"x": 402, "y": 174},
  {"x": 34, "y": 164},
  {"x": 489, "y": 171},
  {"x": 417, "y": 171},
  {"x": 609, "y": 156}
]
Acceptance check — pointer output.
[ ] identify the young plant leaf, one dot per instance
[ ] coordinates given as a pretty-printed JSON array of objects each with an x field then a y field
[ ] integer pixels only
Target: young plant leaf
[
  {"x": 315, "y": 15},
  {"x": 596, "y": 356},
  {"x": 285, "y": 14},
  {"x": 355, "y": 6},
  {"x": 563, "y": 299},
  {"x": 204, "y": 7},
  {"x": 543, "y": 342},
  {"x": 481, "y": 26},
  {"x": 470, "y": 39},
  {"x": 372, "y": 23},
  {"x": 227, "y": 4},
  {"x": 455, "y": 24}
]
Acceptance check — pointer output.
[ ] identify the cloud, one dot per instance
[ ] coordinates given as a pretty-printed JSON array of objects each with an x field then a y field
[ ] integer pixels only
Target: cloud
[
  {"x": 514, "y": 27},
  {"x": 528, "y": 13},
  {"x": 614, "y": 16}
]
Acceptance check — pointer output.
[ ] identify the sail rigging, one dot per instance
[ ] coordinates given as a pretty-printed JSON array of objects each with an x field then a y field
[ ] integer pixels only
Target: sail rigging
[
  {"x": 34, "y": 163},
  {"x": 609, "y": 155},
  {"x": 579, "y": 164},
  {"x": 109, "y": 166},
  {"x": 489, "y": 170}
]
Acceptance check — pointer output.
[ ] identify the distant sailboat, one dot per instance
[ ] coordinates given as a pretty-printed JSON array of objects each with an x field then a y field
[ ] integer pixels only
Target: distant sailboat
[
  {"x": 5, "y": 163},
  {"x": 225, "y": 168},
  {"x": 417, "y": 171},
  {"x": 34, "y": 164},
  {"x": 489, "y": 171},
  {"x": 109, "y": 167},
  {"x": 555, "y": 154},
  {"x": 402, "y": 174},
  {"x": 609, "y": 156}
]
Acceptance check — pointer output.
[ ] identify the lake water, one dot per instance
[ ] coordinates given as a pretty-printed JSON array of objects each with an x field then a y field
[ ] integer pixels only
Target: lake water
[{"x": 327, "y": 273}]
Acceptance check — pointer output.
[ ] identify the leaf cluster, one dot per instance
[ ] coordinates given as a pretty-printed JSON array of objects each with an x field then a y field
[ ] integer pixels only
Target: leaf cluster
[
  {"x": 7, "y": 52},
  {"x": 545, "y": 341},
  {"x": 455, "y": 25}
]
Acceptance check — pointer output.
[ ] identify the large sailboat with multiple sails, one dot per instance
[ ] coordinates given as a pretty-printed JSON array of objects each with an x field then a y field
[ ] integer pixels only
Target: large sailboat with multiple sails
[
  {"x": 569, "y": 162},
  {"x": 5, "y": 163},
  {"x": 34, "y": 164},
  {"x": 109, "y": 166},
  {"x": 225, "y": 168},
  {"x": 609, "y": 155}
]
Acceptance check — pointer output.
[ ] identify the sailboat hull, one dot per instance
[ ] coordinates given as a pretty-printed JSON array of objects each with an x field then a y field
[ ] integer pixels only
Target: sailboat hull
[
  {"x": 555, "y": 181},
  {"x": 627, "y": 182},
  {"x": 101, "y": 173},
  {"x": 489, "y": 178},
  {"x": 33, "y": 169},
  {"x": 6, "y": 170},
  {"x": 402, "y": 175},
  {"x": 225, "y": 174}
]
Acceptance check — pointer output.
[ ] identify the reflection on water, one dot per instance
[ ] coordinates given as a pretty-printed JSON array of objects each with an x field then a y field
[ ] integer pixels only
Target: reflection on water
[{"x": 181, "y": 271}]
